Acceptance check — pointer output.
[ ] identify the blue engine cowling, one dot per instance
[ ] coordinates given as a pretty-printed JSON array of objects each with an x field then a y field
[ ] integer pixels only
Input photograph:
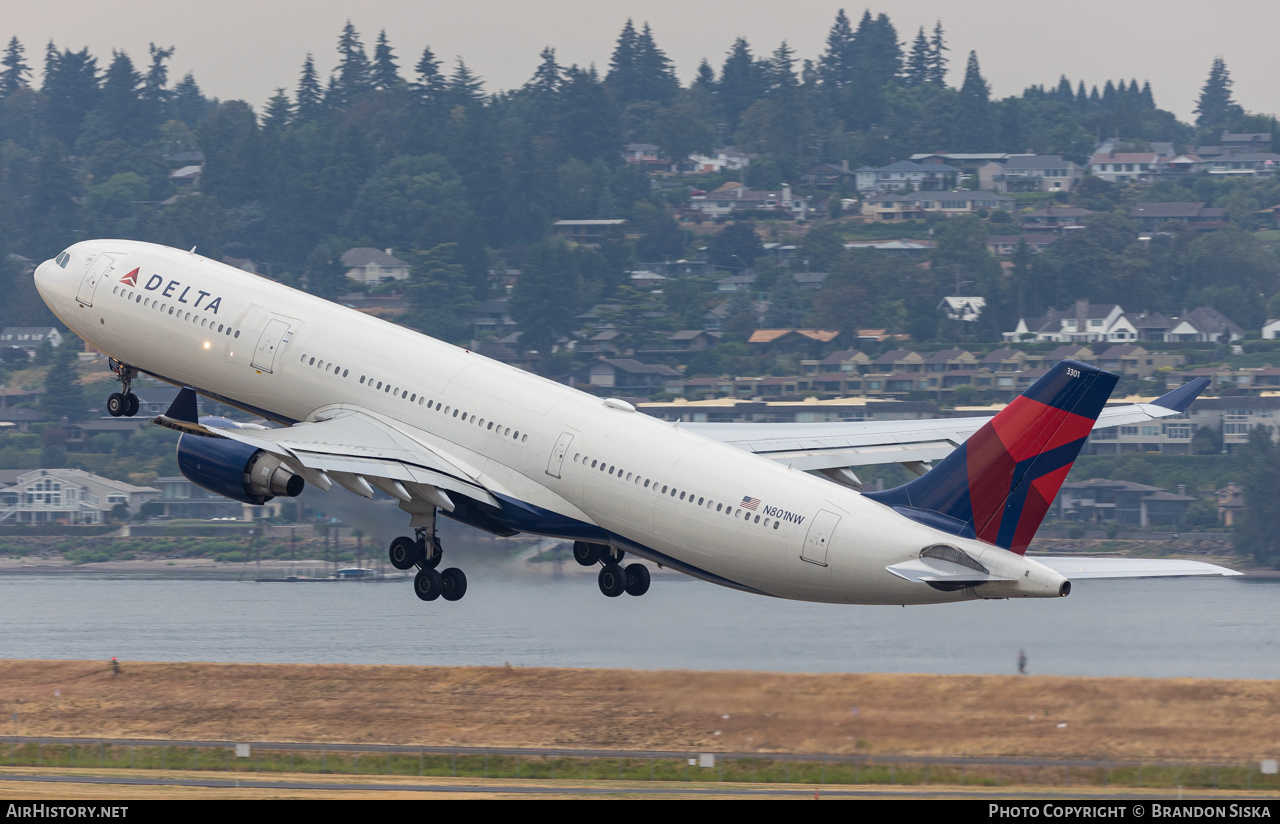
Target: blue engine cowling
[{"x": 235, "y": 470}]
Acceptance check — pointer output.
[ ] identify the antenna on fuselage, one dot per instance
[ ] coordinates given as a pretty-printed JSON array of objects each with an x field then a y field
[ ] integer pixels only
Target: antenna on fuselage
[{"x": 192, "y": 252}]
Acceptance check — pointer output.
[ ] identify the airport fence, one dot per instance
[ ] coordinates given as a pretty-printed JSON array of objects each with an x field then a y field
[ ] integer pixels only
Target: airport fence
[{"x": 631, "y": 765}]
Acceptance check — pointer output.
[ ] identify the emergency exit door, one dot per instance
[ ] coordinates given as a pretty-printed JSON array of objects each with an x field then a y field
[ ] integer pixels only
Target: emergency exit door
[
  {"x": 264, "y": 357},
  {"x": 558, "y": 452},
  {"x": 818, "y": 541},
  {"x": 101, "y": 267}
]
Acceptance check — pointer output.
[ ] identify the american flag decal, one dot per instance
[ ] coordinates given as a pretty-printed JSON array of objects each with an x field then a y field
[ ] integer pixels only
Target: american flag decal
[{"x": 750, "y": 503}]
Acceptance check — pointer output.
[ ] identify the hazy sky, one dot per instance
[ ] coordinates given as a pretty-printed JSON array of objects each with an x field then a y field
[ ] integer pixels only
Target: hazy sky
[{"x": 245, "y": 48}]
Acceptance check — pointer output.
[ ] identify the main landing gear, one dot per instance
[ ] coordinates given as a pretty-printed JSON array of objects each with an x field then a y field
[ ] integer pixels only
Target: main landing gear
[
  {"x": 123, "y": 403},
  {"x": 424, "y": 551},
  {"x": 614, "y": 579}
]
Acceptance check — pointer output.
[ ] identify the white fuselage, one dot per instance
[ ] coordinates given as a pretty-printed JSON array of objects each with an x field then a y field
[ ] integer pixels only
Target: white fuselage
[{"x": 648, "y": 486}]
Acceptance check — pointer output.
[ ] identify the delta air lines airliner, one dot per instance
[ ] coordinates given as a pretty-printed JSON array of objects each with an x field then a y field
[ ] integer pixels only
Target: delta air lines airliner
[{"x": 773, "y": 509}]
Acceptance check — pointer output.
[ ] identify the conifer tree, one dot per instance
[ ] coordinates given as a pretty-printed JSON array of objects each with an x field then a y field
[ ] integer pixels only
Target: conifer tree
[
  {"x": 310, "y": 97},
  {"x": 836, "y": 65},
  {"x": 1216, "y": 107},
  {"x": 70, "y": 89},
  {"x": 278, "y": 113},
  {"x": 155, "y": 96},
  {"x": 878, "y": 49},
  {"x": 546, "y": 79},
  {"x": 354, "y": 73},
  {"x": 430, "y": 84},
  {"x": 781, "y": 76},
  {"x": 1063, "y": 92},
  {"x": 741, "y": 81},
  {"x": 386, "y": 74},
  {"x": 974, "y": 121},
  {"x": 937, "y": 56},
  {"x": 917, "y": 73},
  {"x": 464, "y": 87},
  {"x": 16, "y": 74},
  {"x": 1148, "y": 99},
  {"x": 187, "y": 103},
  {"x": 706, "y": 76},
  {"x": 655, "y": 75},
  {"x": 622, "y": 64}
]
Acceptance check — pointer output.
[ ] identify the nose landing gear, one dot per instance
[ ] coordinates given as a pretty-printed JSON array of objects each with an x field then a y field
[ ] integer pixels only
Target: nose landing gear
[{"x": 123, "y": 403}]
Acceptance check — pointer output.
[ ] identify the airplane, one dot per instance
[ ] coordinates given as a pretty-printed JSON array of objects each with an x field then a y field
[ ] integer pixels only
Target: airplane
[{"x": 771, "y": 509}]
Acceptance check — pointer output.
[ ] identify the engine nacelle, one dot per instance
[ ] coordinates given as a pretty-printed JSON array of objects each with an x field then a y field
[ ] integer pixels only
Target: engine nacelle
[{"x": 236, "y": 470}]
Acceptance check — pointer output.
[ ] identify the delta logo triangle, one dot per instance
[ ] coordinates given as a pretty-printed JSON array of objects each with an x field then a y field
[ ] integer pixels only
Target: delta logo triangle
[{"x": 130, "y": 279}]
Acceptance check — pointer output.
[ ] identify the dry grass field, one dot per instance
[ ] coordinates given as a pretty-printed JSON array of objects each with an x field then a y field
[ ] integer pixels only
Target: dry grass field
[{"x": 636, "y": 709}]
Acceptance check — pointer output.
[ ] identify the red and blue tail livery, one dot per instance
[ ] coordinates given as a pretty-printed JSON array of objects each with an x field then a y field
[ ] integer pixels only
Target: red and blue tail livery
[{"x": 998, "y": 485}]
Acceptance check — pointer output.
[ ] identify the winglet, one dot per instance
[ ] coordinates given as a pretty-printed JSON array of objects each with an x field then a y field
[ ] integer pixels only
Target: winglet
[
  {"x": 1179, "y": 399},
  {"x": 183, "y": 407}
]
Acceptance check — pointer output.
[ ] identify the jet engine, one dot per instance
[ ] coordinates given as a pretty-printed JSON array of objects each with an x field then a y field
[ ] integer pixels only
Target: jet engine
[{"x": 236, "y": 470}]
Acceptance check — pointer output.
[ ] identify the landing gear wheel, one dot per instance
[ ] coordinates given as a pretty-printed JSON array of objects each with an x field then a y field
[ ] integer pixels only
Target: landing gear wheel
[
  {"x": 116, "y": 404},
  {"x": 427, "y": 584},
  {"x": 455, "y": 584},
  {"x": 404, "y": 553},
  {"x": 132, "y": 405},
  {"x": 612, "y": 580},
  {"x": 637, "y": 576},
  {"x": 586, "y": 554}
]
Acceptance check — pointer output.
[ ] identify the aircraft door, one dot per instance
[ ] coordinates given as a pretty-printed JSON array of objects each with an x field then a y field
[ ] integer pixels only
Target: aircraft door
[
  {"x": 818, "y": 540},
  {"x": 101, "y": 267},
  {"x": 558, "y": 452},
  {"x": 269, "y": 343}
]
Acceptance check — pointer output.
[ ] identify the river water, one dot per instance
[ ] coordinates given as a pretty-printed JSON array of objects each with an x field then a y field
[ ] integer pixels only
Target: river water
[{"x": 1218, "y": 628}]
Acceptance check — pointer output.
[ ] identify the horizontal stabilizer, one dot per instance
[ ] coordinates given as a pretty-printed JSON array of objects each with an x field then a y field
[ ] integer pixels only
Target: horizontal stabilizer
[
  {"x": 1081, "y": 568},
  {"x": 1179, "y": 399}
]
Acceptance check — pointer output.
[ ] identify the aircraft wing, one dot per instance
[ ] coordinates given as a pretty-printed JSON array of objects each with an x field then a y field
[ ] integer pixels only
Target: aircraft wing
[
  {"x": 1077, "y": 568},
  {"x": 835, "y": 446},
  {"x": 357, "y": 449}
]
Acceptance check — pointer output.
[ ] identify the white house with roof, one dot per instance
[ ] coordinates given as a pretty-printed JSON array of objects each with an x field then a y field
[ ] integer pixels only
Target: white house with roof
[
  {"x": 1107, "y": 322},
  {"x": 1245, "y": 164},
  {"x": 1124, "y": 167},
  {"x": 1083, "y": 322},
  {"x": 735, "y": 197},
  {"x": 1030, "y": 173},
  {"x": 907, "y": 175},
  {"x": 890, "y": 207},
  {"x": 30, "y": 337},
  {"x": 727, "y": 159},
  {"x": 368, "y": 265},
  {"x": 70, "y": 496}
]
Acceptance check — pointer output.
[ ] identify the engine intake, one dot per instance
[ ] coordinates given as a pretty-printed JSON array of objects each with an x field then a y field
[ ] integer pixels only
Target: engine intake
[{"x": 236, "y": 470}]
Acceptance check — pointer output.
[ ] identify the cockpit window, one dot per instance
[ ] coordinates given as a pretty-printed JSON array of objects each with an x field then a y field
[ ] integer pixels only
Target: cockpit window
[{"x": 62, "y": 259}]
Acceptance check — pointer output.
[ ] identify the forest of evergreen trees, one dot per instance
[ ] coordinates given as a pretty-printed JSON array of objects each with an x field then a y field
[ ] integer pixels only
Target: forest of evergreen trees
[{"x": 411, "y": 153}]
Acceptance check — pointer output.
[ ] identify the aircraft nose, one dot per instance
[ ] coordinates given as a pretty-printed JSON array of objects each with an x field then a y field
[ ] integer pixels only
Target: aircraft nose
[{"x": 42, "y": 275}]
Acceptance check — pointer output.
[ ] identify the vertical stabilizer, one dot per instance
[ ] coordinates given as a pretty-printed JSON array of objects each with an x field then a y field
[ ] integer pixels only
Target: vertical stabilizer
[{"x": 998, "y": 485}]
